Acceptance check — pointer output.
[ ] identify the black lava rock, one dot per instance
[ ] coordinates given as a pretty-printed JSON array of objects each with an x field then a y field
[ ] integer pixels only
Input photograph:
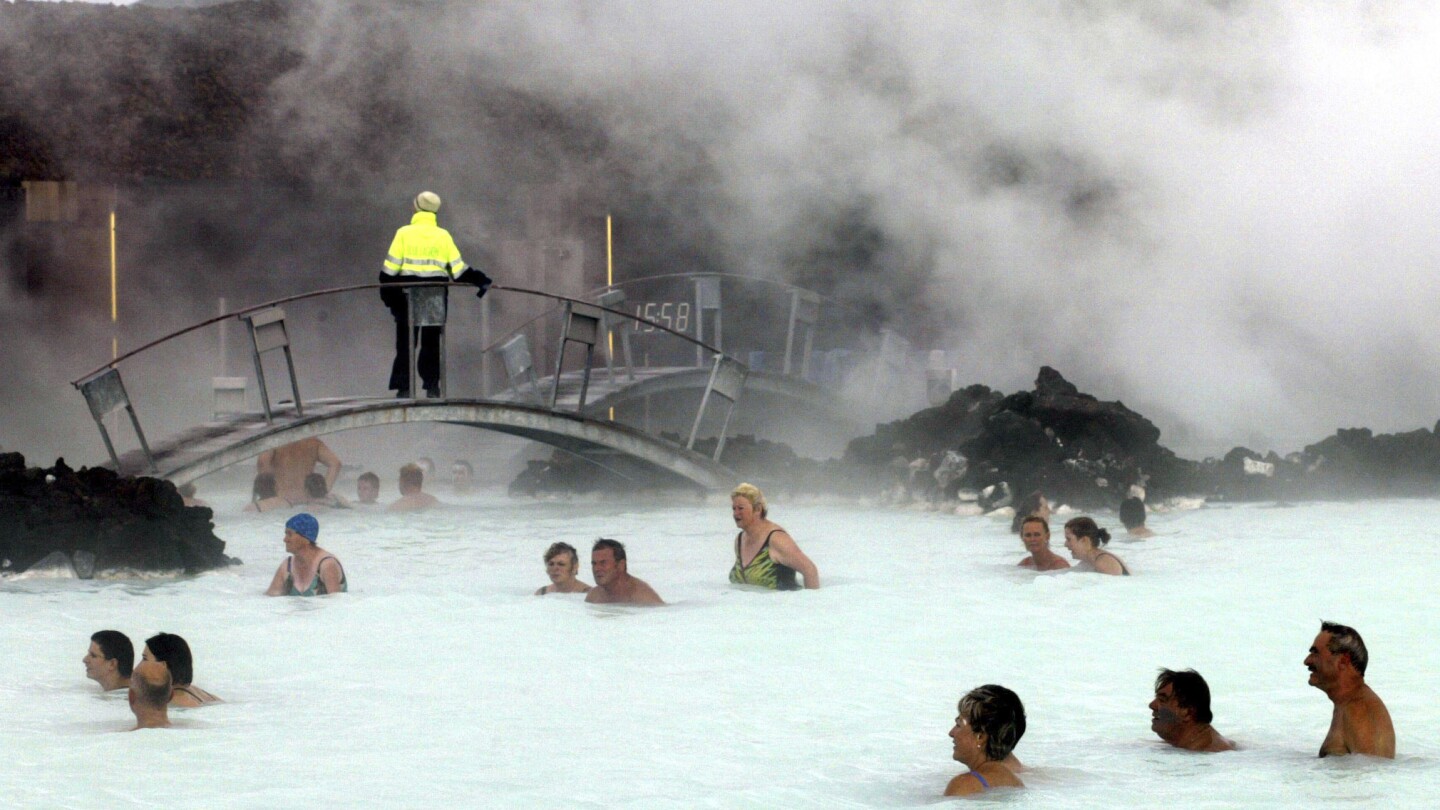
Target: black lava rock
[{"x": 113, "y": 522}]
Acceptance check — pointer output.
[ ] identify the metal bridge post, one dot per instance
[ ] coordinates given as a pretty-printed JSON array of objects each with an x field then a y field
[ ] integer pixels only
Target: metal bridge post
[
  {"x": 727, "y": 380},
  {"x": 804, "y": 310},
  {"x": 104, "y": 393},
  {"x": 582, "y": 325},
  {"x": 428, "y": 307},
  {"x": 707, "y": 297},
  {"x": 267, "y": 332},
  {"x": 609, "y": 324}
]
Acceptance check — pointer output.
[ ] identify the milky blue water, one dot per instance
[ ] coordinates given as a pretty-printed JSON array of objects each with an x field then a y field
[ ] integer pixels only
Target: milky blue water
[{"x": 440, "y": 681}]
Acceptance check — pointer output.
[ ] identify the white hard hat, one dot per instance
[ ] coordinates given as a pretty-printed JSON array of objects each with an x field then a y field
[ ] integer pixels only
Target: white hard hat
[{"x": 427, "y": 201}]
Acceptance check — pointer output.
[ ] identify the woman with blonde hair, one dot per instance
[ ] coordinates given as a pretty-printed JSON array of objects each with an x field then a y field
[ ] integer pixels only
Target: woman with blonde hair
[{"x": 765, "y": 554}]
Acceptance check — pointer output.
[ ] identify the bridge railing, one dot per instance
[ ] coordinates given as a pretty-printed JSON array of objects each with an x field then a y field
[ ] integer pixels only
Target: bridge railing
[
  {"x": 805, "y": 314},
  {"x": 584, "y": 324}
]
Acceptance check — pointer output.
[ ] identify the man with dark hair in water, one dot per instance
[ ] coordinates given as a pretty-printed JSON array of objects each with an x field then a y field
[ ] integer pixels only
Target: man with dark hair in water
[
  {"x": 367, "y": 488},
  {"x": 150, "y": 695},
  {"x": 1180, "y": 712},
  {"x": 1132, "y": 517},
  {"x": 1360, "y": 723},
  {"x": 109, "y": 660},
  {"x": 412, "y": 494},
  {"x": 613, "y": 583}
]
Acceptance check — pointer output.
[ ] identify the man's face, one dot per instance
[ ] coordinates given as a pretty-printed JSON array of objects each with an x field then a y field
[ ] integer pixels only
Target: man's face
[
  {"x": 562, "y": 567},
  {"x": 1034, "y": 536},
  {"x": 368, "y": 491},
  {"x": 460, "y": 478},
  {"x": 1166, "y": 714},
  {"x": 1324, "y": 665},
  {"x": 604, "y": 566},
  {"x": 97, "y": 666}
]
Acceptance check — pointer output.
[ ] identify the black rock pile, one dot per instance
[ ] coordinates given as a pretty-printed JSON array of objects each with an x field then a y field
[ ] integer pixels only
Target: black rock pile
[{"x": 99, "y": 521}]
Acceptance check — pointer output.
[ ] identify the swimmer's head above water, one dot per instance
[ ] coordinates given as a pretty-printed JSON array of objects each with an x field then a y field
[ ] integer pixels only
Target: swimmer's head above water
[
  {"x": 305, "y": 525},
  {"x": 756, "y": 498}
]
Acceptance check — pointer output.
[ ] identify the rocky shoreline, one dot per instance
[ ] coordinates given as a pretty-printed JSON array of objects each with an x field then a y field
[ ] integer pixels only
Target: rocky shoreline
[
  {"x": 1077, "y": 449},
  {"x": 93, "y": 522}
]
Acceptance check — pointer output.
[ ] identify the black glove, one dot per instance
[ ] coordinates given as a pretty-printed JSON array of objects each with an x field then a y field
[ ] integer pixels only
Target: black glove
[
  {"x": 477, "y": 278},
  {"x": 393, "y": 297}
]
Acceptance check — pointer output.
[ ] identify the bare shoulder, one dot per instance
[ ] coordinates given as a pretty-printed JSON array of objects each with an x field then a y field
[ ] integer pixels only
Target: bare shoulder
[
  {"x": 964, "y": 785},
  {"x": 541, "y": 592},
  {"x": 1028, "y": 562},
  {"x": 1108, "y": 563},
  {"x": 644, "y": 594},
  {"x": 597, "y": 595}
]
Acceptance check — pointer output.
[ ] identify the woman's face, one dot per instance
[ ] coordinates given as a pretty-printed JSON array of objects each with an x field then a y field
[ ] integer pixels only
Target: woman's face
[
  {"x": 294, "y": 542},
  {"x": 1079, "y": 546},
  {"x": 743, "y": 511},
  {"x": 969, "y": 746},
  {"x": 562, "y": 568}
]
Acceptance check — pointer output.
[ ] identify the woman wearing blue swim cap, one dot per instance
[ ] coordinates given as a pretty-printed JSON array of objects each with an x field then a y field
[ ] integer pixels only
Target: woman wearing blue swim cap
[{"x": 308, "y": 563}]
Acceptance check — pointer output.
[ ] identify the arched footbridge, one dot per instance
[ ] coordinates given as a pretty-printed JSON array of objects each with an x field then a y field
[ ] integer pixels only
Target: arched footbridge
[{"x": 567, "y": 410}]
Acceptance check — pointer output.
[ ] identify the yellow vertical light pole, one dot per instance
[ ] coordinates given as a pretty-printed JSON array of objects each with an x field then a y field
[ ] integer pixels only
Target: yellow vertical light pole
[
  {"x": 114, "y": 287},
  {"x": 610, "y": 282}
]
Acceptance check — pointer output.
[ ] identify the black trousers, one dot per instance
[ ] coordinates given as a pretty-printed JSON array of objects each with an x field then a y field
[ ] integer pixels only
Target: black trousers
[{"x": 429, "y": 363}]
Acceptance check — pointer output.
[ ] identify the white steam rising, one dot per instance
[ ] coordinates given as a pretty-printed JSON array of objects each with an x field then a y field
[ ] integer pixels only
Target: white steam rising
[{"x": 1222, "y": 213}]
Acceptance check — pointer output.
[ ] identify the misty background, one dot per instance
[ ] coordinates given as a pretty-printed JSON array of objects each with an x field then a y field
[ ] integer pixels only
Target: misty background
[{"x": 1221, "y": 213}]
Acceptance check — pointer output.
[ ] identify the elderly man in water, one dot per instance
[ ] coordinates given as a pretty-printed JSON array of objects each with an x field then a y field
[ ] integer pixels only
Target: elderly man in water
[
  {"x": 1035, "y": 534},
  {"x": 150, "y": 695},
  {"x": 1360, "y": 723},
  {"x": 562, "y": 564},
  {"x": 1180, "y": 713},
  {"x": 613, "y": 583}
]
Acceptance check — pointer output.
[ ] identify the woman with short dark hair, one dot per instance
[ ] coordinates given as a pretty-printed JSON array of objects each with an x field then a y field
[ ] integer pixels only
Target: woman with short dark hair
[{"x": 989, "y": 722}]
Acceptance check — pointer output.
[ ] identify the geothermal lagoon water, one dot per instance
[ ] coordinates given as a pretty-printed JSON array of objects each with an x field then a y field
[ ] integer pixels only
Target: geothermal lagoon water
[{"x": 439, "y": 680}]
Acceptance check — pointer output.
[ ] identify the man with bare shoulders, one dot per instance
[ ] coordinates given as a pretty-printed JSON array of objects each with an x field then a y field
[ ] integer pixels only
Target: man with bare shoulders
[
  {"x": 150, "y": 695},
  {"x": 613, "y": 583},
  {"x": 562, "y": 564},
  {"x": 412, "y": 494},
  {"x": 1360, "y": 724},
  {"x": 291, "y": 463},
  {"x": 1035, "y": 534},
  {"x": 1180, "y": 713}
]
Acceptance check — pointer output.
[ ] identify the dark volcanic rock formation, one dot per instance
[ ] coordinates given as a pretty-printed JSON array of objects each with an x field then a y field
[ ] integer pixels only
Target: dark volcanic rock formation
[
  {"x": 1076, "y": 448},
  {"x": 101, "y": 521}
]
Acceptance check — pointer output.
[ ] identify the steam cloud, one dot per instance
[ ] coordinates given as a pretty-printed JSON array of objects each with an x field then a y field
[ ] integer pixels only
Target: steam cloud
[{"x": 1222, "y": 213}]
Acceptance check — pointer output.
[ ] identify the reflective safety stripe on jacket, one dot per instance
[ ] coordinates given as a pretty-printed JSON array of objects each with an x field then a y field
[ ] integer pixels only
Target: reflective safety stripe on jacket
[{"x": 424, "y": 249}]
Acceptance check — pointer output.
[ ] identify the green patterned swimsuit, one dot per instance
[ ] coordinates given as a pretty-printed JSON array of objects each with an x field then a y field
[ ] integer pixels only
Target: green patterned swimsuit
[
  {"x": 317, "y": 585},
  {"x": 762, "y": 570}
]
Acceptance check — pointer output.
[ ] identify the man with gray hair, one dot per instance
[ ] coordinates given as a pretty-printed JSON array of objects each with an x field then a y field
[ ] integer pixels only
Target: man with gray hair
[
  {"x": 1360, "y": 723},
  {"x": 421, "y": 251}
]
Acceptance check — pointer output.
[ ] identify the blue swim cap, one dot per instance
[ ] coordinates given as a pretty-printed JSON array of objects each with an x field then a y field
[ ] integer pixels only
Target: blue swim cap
[{"x": 305, "y": 525}]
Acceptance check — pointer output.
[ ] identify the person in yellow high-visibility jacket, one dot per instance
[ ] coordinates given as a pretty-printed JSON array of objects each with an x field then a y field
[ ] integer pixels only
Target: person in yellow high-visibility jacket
[{"x": 421, "y": 251}]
